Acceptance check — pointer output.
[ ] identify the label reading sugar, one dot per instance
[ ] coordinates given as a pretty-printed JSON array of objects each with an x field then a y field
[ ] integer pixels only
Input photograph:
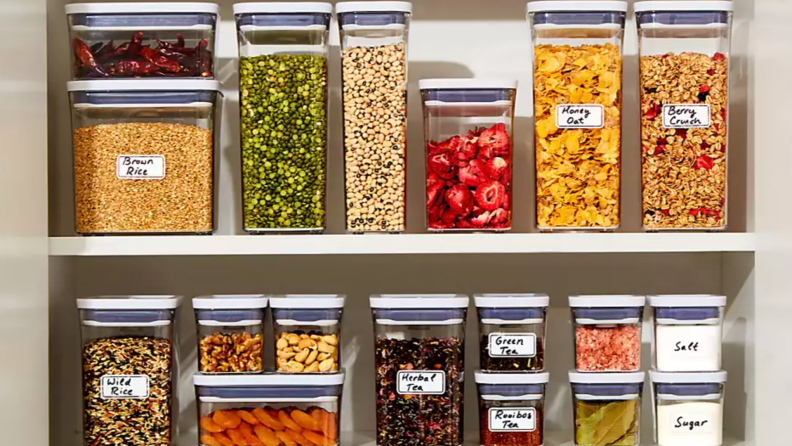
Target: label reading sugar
[
  {"x": 140, "y": 167},
  {"x": 686, "y": 116},
  {"x": 693, "y": 422},
  {"x": 580, "y": 116},
  {"x": 512, "y": 345},
  {"x": 512, "y": 419},
  {"x": 420, "y": 382},
  {"x": 125, "y": 387}
]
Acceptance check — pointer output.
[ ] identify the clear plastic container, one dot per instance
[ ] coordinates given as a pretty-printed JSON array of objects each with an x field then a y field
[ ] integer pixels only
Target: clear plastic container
[
  {"x": 577, "y": 70},
  {"x": 268, "y": 409},
  {"x": 307, "y": 332},
  {"x": 283, "y": 113},
  {"x": 129, "y": 365},
  {"x": 133, "y": 40},
  {"x": 468, "y": 134},
  {"x": 230, "y": 332},
  {"x": 607, "y": 408},
  {"x": 684, "y": 58},
  {"x": 688, "y": 332},
  {"x": 511, "y": 408},
  {"x": 374, "y": 73},
  {"x": 144, "y": 155},
  {"x": 607, "y": 332},
  {"x": 420, "y": 366},
  {"x": 688, "y": 408},
  {"x": 512, "y": 331}
]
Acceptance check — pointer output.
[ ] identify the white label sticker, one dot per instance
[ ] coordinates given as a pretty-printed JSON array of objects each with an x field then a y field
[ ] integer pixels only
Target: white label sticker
[
  {"x": 692, "y": 421},
  {"x": 580, "y": 116},
  {"x": 125, "y": 387},
  {"x": 512, "y": 419},
  {"x": 686, "y": 116},
  {"x": 420, "y": 382},
  {"x": 140, "y": 167},
  {"x": 512, "y": 345}
]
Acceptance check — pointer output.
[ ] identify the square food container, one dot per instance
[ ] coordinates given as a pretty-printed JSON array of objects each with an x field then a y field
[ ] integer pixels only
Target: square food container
[
  {"x": 268, "y": 409},
  {"x": 134, "y": 40},
  {"x": 230, "y": 332},
  {"x": 307, "y": 332},
  {"x": 129, "y": 365},
  {"x": 607, "y": 332},
  {"x": 468, "y": 136},
  {"x": 511, "y": 408},
  {"x": 688, "y": 408},
  {"x": 512, "y": 329},
  {"x": 687, "y": 333},
  {"x": 607, "y": 408}
]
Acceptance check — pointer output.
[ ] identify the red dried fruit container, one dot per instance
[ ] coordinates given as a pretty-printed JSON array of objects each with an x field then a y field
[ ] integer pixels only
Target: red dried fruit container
[{"x": 468, "y": 133}]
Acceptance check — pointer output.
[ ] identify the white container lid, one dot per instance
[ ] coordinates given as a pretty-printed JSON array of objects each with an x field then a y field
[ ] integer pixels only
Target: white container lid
[
  {"x": 511, "y": 300},
  {"x": 467, "y": 84},
  {"x": 163, "y": 302},
  {"x": 283, "y": 7},
  {"x": 229, "y": 302},
  {"x": 427, "y": 301},
  {"x": 680, "y": 6},
  {"x": 343, "y": 7},
  {"x": 307, "y": 301},
  {"x": 572, "y": 6},
  {"x": 688, "y": 377},
  {"x": 606, "y": 378},
  {"x": 511, "y": 378},
  {"x": 144, "y": 85},
  {"x": 269, "y": 379},
  {"x": 606, "y": 301},
  {"x": 142, "y": 8},
  {"x": 687, "y": 300}
]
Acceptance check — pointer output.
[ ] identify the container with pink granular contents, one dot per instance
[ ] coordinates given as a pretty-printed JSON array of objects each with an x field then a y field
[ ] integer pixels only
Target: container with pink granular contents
[{"x": 607, "y": 332}]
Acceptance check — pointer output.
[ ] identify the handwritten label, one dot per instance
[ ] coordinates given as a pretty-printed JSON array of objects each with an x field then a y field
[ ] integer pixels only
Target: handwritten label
[
  {"x": 420, "y": 382},
  {"x": 125, "y": 387},
  {"x": 696, "y": 422},
  {"x": 690, "y": 347},
  {"x": 513, "y": 345},
  {"x": 512, "y": 419},
  {"x": 686, "y": 116},
  {"x": 140, "y": 167},
  {"x": 580, "y": 116}
]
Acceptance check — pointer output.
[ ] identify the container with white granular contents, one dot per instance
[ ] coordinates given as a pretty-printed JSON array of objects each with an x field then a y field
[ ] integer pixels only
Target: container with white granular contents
[
  {"x": 687, "y": 332},
  {"x": 688, "y": 408}
]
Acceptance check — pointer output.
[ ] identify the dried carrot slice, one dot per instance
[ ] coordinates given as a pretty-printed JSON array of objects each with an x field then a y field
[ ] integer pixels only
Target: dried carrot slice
[
  {"x": 250, "y": 436},
  {"x": 298, "y": 437},
  {"x": 226, "y": 419},
  {"x": 306, "y": 421},
  {"x": 209, "y": 440},
  {"x": 286, "y": 438},
  {"x": 208, "y": 424},
  {"x": 288, "y": 422},
  {"x": 266, "y": 435},
  {"x": 317, "y": 439},
  {"x": 247, "y": 417},
  {"x": 223, "y": 439},
  {"x": 267, "y": 420},
  {"x": 237, "y": 436}
]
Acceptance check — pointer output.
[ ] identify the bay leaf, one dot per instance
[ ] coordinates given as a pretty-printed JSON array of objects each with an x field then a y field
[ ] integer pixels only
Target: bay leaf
[
  {"x": 585, "y": 409},
  {"x": 630, "y": 438},
  {"x": 607, "y": 425}
]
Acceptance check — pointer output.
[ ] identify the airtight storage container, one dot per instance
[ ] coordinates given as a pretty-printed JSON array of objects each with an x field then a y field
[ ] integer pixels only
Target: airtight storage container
[
  {"x": 577, "y": 69},
  {"x": 374, "y": 75},
  {"x": 307, "y": 332},
  {"x": 420, "y": 366},
  {"x": 230, "y": 332},
  {"x": 512, "y": 329},
  {"x": 684, "y": 57},
  {"x": 135, "y": 40},
  {"x": 607, "y": 332},
  {"x": 468, "y": 135},
  {"x": 688, "y": 408},
  {"x": 688, "y": 332},
  {"x": 128, "y": 364},
  {"x": 607, "y": 408},
  {"x": 511, "y": 408},
  {"x": 283, "y": 114},
  {"x": 268, "y": 409}
]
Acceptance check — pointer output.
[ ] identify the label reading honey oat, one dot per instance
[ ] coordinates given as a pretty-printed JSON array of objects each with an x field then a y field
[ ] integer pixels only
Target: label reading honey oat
[
  {"x": 686, "y": 116},
  {"x": 580, "y": 116},
  {"x": 420, "y": 382},
  {"x": 140, "y": 167},
  {"x": 512, "y": 345},
  {"x": 125, "y": 387},
  {"x": 512, "y": 419}
]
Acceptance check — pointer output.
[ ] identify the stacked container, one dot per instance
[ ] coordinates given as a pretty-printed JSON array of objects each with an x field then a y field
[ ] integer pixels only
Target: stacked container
[
  {"x": 511, "y": 408},
  {"x": 468, "y": 134},
  {"x": 374, "y": 72},
  {"x": 688, "y": 408},
  {"x": 607, "y": 408},
  {"x": 512, "y": 330},
  {"x": 684, "y": 56},
  {"x": 283, "y": 114}
]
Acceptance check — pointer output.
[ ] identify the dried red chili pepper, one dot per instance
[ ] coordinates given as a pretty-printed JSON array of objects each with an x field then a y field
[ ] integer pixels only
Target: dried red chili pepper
[
  {"x": 159, "y": 60},
  {"x": 83, "y": 53},
  {"x": 179, "y": 40},
  {"x": 134, "y": 46},
  {"x": 135, "y": 68},
  {"x": 104, "y": 50}
]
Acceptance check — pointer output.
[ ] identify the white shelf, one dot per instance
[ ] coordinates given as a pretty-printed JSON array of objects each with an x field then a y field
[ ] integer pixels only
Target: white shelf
[{"x": 401, "y": 244}]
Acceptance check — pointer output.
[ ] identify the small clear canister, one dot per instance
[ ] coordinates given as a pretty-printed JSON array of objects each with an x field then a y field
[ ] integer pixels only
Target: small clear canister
[{"x": 688, "y": 408}]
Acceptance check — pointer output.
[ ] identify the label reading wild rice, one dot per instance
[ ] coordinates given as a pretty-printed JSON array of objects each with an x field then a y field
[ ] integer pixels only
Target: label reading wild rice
[{"x": 132, "y": 387}]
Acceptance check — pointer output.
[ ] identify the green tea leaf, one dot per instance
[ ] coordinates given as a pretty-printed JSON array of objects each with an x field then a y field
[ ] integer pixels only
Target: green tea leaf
[{"x": 608, "y": 425}]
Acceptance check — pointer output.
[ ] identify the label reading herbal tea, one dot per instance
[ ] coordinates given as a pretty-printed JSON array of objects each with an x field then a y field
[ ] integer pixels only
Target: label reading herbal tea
[
  {"x": 580, "y": 116},
  {"x": 420, "y": 382},
  {"x": 513, "y": 345},
  {"x": 686, "y": 116},
  {"x": 140, "y": 167},
  {"x": 512, "y": 419},
  {"x": 125, "y": 387}
]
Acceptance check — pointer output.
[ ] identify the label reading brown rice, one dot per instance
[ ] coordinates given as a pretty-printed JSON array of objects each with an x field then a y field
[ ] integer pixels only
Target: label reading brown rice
[
  {"x": 580, "y": 116},
  {"x": 126, "y": 387},
  {"x": 140, "y": 167},
  {"x": 686, "y": 116}
]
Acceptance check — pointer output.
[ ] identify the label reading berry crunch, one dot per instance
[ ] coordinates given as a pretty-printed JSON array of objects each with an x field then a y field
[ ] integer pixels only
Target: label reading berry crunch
[{"x": 686, "y": 116}]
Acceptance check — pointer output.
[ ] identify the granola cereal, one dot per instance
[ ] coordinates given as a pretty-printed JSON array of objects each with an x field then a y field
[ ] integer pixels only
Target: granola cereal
[
  {"x": 684, "y": 166},
  {"x": 577, "y": 169}
]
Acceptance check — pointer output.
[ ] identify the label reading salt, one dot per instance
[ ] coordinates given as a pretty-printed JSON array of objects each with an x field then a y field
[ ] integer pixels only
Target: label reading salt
[
  {"x": 512, "y": 419},
  {"x": 512, "y": 345},
  {"x": 420, "y": 382},
  {"x": 686, "y": 116},
  {"x": 125, "y": 387},
  {"x": 693, "y": 422},
  {"x": 580, "y": 116},
  {"x": 140, "y": 167}
]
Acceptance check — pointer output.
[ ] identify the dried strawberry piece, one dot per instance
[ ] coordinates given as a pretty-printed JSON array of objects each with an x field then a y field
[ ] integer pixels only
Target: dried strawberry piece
[
  {"x": 448, "y": 217},
  {"x": 495, "y": 167},
  {"x": 704, "y": 145},
  {"x": 496, "y": 137},
  {"x": 653, "y": 112},
  {"x": 666, "y": 212},
  {"x": 681, "y": 133},
  {"x": 453, "y": 144},
  {"x": 459, "y": 159},
  {"x": 499, "y": 216},
  {"x": 708, "y": 212},
  {"x": 718, "y": 56},
  {"x": 693, "y": 212},
  {"x": 473, "y": 174},
  {"x": 704, "y": 162},
  {"x": 506, "y": 177},
  {"x": 481, "y": 220},
  {"x": 434, "y": 213},
  {"x": 435, "y": 191},
  {"x": 723, "y": 114},
  {"x": 711, "y": 72},
  {"x": 460, "y": 200},
  {"x": 440, "y": 164},
  {"x": 507, "y": 201},
  {"x": 704, "y": 89},
  {"x": 658, "y": 150},
  {"x": 464, "y": 224},
  {"x": 469, "y": 149},
  {"x": 489, "y": 196},
  {"x": 485, "y": 153}
]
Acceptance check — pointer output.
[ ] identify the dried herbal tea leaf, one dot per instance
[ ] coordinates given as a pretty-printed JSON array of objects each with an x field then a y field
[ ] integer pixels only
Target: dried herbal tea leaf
[{"x": 608, "y": 425}]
